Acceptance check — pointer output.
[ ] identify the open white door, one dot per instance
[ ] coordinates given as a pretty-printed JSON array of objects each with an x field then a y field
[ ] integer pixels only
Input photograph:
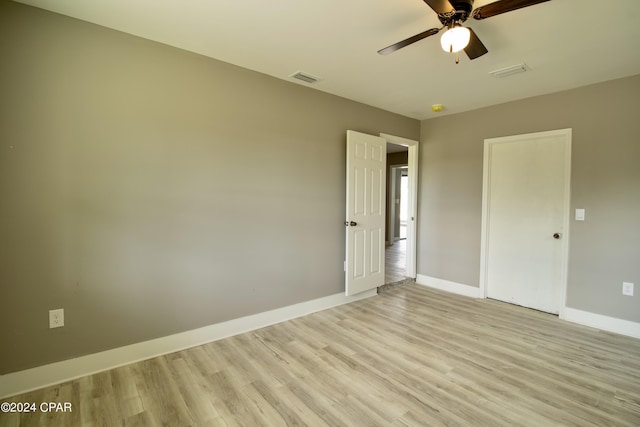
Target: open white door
[{"x": 365, "y": 216}]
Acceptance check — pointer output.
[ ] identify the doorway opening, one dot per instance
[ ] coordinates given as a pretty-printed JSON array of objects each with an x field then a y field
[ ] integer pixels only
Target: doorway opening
[
  {"x": 366, "y": 216},
  {"x": 396, "y": 220},
  {"x": 397, "y": 195},
  {"x": 400, "y": 225}
]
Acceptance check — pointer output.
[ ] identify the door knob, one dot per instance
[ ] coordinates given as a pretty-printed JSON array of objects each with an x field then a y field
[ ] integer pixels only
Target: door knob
[
  {"x": 350, "y": 223},
  {"x": 556, "y": 235}
]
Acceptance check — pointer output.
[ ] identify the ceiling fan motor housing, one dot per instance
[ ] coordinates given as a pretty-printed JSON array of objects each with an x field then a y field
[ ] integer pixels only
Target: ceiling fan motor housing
[{"x": 461, "y": 10}]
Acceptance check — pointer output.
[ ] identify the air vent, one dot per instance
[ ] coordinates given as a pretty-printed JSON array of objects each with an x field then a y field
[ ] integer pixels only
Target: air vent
[
  {"x": 509, "y": 71},
  {"x": 307, "y": 78}
]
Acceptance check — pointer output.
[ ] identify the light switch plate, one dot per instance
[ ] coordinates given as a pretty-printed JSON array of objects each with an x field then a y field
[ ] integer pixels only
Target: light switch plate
[
  {"x": 627, "y": 289},
  {"x": 579, "y": 214}
]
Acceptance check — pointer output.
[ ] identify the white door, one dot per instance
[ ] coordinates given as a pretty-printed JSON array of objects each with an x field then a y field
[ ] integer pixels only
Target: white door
[
  {"x": 365, "y": 216},
  {"x": 526, "y": 218}
]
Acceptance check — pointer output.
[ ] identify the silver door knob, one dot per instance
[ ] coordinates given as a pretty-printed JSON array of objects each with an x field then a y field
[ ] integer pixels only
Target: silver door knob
[{"x": 556, "y": 235}]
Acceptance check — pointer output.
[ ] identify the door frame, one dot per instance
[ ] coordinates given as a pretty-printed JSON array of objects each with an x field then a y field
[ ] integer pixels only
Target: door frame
[
  {"x": 412, "y": 198},
  {"x": 486, "y": 198},
  {"x": 390, "y": 221}
]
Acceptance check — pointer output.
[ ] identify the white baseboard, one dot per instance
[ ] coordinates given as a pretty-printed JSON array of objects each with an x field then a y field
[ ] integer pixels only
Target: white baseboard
[
  {"x": 55, "y": 373},
  {"x": 445, "y": 285},
  {"x": 585, "y": 318},
  {"x": 606, "y": 323}
]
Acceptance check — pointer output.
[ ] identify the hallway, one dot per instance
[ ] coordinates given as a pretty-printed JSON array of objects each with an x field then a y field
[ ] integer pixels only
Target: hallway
[{"x": 395, "y": 264}]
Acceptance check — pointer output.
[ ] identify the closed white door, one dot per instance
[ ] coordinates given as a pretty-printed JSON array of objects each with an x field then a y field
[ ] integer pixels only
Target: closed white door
[
  {"x": 365, "y": 216},
  {"x": 526, "y": 218}
]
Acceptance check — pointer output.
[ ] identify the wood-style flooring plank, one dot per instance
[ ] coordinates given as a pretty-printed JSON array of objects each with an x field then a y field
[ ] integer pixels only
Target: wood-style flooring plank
[
  {"x": 395, "y": 261},
  {"x": 411, "y": 356}
]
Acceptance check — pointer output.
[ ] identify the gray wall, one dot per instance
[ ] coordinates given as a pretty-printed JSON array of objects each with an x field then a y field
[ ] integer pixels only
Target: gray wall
[
  {"x": 149, "y": 191},
  {"x": 605, "y": 180}
]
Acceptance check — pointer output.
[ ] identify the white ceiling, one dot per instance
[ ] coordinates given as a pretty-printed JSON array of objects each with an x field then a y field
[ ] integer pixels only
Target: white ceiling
[{"x": 565, "y": 43}]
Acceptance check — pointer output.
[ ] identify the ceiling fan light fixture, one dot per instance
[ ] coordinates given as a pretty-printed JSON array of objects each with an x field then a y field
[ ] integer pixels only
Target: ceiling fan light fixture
[{"x": 455, "y": 39}]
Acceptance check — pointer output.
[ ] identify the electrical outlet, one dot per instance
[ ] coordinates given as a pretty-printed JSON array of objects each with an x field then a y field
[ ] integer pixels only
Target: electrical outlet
[
  {"x": 56, "y": 318},
  {"x": 627, "y": 289}
]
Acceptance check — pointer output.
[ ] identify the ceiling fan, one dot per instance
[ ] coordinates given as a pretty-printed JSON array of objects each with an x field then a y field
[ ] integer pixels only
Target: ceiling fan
[{"x": 452, "y": 13}]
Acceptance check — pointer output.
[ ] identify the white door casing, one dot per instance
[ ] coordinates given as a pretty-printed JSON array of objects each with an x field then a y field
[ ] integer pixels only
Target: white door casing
[
  {"x": 365, "y": 213},
  {"x": 393, "y": 201},
  {"x": 525, "y": 203}
]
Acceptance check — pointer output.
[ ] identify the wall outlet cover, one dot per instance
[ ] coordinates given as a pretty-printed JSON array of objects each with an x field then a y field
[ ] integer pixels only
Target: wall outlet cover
[{"x": 56, "y": 318}]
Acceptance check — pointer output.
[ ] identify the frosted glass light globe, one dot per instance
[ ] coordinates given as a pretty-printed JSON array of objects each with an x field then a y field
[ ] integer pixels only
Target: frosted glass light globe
[{"x": 455, "y": 39}]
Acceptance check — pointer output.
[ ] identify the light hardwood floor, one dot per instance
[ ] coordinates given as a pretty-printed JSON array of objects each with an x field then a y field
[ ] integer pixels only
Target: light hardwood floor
[
  {"x": 410, "y": 356},
  {"x": 395, "y": 262}
]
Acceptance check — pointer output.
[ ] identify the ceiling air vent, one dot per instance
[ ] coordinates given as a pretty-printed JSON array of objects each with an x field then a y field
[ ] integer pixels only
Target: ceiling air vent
[
  {"x": 307, "y": 78},
  {"x": 509, "y": 71}
]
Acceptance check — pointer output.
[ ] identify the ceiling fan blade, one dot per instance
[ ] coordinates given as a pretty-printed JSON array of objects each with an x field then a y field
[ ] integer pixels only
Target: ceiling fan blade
[
  {"x": 387, "y": 50},
  {"x": 475, "y": 48},
  {"x": 439, "y": 6},
  {"x": 502, "y": 6}
]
